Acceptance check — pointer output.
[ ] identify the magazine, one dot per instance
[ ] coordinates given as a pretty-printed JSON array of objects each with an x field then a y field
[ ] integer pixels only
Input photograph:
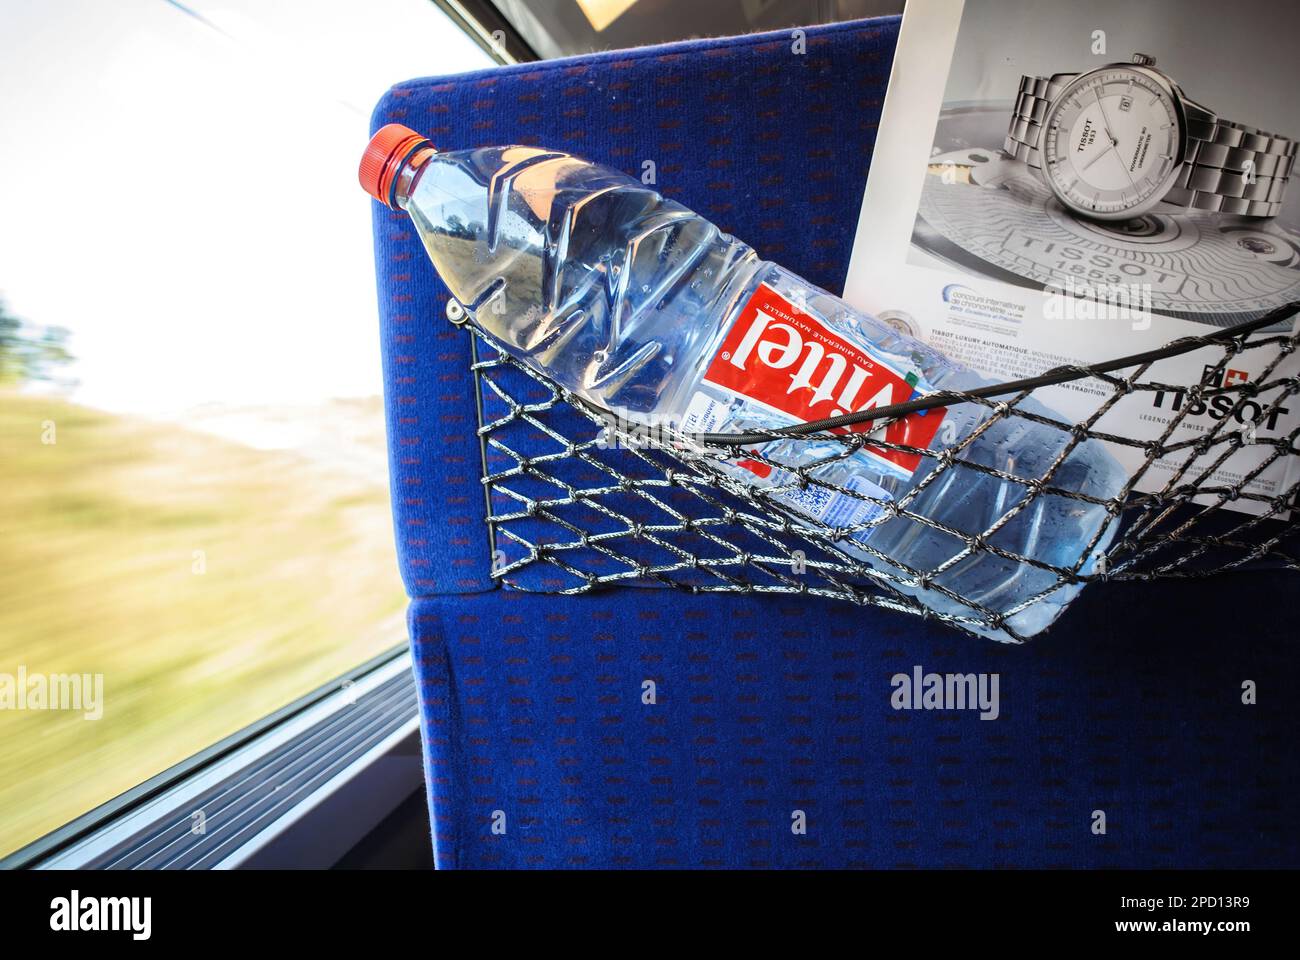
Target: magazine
[{"x": 1058, "y": 183}]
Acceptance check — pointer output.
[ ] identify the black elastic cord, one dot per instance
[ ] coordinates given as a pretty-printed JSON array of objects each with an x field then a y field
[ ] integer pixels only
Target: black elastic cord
[{"x": 944, "y": 398}]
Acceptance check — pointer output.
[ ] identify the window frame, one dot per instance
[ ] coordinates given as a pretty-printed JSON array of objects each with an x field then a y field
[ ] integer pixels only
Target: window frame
[
  {"x": 163, "y": 797},
  {"x": 167, "y": 798},
  {"x": 481, "y": 20}
]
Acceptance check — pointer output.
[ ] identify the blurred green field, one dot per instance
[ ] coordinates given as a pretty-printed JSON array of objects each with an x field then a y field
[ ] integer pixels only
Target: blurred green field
[{"x": 98, "y": 540}]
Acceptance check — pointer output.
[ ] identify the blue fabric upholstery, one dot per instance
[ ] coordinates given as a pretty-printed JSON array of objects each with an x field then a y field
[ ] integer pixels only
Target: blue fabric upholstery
[{"x": 532, "y": 712}]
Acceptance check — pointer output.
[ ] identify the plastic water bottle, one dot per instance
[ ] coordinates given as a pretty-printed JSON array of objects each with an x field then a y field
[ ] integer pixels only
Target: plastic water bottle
[{"x": 647, "y": 310}]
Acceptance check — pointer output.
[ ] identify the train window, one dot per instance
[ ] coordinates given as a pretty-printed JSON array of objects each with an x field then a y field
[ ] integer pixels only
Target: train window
[{"x": 194, "y": 510}]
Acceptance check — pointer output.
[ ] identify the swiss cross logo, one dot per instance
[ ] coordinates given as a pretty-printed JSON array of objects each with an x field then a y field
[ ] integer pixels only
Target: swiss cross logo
[
  {"x": 791, "y": 363},
  {"x": 1211, "y": 377}
]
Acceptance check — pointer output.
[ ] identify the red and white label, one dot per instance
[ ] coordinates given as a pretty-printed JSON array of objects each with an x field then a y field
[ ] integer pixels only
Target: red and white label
[{"x": 792, "y": 363}]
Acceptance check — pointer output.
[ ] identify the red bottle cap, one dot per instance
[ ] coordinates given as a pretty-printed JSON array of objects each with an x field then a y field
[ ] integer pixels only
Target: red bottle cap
[{"x": 387, "y": 150}]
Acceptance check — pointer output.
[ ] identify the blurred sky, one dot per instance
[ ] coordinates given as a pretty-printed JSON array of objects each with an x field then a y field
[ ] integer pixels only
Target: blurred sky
[{"x": 178, "y": 188}]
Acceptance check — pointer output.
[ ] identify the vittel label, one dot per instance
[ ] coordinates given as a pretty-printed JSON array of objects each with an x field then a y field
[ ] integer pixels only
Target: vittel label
[{"x": 790, "y": 362}]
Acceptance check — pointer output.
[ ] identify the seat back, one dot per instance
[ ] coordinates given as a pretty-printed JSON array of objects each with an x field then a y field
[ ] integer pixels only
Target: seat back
[{"x": 649, "y": 727}]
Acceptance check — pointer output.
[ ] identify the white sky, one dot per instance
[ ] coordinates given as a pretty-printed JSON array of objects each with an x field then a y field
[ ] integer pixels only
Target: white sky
[{"x": 182, "y": 195}]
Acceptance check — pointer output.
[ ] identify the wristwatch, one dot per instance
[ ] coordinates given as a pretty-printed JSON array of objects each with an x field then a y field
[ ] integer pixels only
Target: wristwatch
[{"x": 1114, "y": 142}]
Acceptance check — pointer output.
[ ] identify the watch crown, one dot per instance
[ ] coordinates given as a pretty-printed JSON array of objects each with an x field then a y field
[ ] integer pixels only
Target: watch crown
[{"x": 1144, "y": 60}]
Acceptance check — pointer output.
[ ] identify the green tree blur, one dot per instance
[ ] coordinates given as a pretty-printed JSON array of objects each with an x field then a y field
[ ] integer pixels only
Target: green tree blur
[{"x": 29, "y": 352}]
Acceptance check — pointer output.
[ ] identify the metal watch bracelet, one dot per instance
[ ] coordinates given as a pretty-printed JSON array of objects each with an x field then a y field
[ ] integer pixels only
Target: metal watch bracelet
[{"x": 1227, "y": 167}]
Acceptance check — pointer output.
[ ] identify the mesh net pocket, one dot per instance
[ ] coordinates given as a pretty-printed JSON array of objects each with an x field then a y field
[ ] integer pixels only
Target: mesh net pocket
[{"x": 578, "y": 501}]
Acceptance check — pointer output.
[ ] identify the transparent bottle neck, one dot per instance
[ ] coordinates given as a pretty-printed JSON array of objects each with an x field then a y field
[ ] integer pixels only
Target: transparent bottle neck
[{"x": 410, "y": 175}]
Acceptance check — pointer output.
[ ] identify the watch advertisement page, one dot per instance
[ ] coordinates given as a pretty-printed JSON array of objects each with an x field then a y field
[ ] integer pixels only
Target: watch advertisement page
[{"x": 1058, "y": 183}]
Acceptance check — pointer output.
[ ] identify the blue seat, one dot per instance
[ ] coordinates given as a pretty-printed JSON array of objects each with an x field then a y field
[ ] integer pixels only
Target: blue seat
[{"x": 773, "y": 741}]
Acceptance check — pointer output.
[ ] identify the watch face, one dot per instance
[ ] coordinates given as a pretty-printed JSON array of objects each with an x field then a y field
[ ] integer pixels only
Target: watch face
[
  {"x": 987, "y": 216},
  {"x": 1111, "y": 143}
]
